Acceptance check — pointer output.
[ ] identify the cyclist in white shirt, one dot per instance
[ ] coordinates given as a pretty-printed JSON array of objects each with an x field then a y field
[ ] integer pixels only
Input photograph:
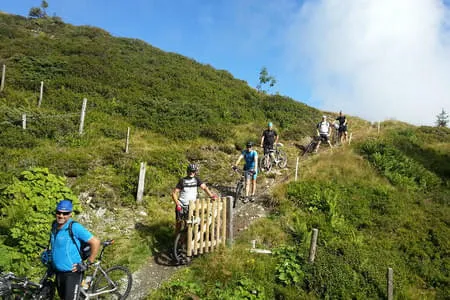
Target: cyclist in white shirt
[{"x": 323, "y": 131}]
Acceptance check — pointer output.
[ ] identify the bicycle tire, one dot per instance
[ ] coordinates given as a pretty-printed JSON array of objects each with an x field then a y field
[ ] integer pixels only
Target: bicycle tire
[
  {"x": 265, "y": 163},
  {"x": 180, "y": 250},
  {"x": 309, "y": 148},
  {"x": 282, "y": 159},
  {"x": 121, "y": 277},
  {"x": 238, "y": 194}
]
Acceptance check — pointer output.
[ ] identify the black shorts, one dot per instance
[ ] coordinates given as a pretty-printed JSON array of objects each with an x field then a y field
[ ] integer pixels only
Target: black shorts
[
  {"x": 183, "y": 214},
  {"x": 68, "y": 284},
  {"x": 324, "y": 137},
  {"x": 343, "y": 128},
  {"x": 267, "y": 149}
]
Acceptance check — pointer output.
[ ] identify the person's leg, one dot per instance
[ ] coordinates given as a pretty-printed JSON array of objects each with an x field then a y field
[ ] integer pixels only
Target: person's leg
[
  {"x": 253, "y": 187},
  {"x": 317, "y": 146},
  {"x": 247, "y": 184},
  {"x": 70, "y": 285}
]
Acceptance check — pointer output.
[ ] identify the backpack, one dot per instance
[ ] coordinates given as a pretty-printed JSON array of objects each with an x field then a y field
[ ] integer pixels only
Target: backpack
[{"x": 84, "y": 249}]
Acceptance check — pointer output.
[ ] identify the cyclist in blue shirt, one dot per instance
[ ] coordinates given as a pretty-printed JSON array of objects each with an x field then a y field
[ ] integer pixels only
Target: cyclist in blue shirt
[
  {"x": 250, "y": 157},
  {"x": 66, "y": 258}
]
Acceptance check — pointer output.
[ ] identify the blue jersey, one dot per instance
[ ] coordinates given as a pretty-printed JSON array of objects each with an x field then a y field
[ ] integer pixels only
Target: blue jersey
[
  {"x": 64, "y": 252},
  {"x": 249, "y": 157}
]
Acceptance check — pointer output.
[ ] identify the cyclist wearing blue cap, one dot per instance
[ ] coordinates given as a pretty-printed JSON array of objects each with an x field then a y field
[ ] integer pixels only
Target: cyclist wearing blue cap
[
  {"x": 65, "y": 251},
  {"x": 268, "y": 139}
]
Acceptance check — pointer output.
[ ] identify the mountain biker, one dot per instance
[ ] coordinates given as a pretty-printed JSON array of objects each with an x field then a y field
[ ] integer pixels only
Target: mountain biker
[
  {"x": 66, "y": 259},
  {"x": 342, "y": 127},
  {"x": 323, "y": 131},
  {"x": 185, "y": 191},
  {"x": 268, "y": 139},
  {"x": 250, "y": 157}
]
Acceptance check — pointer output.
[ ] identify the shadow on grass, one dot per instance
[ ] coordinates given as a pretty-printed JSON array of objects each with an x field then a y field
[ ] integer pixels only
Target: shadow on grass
[
  {"x": 431, "y": 159},
  {"x": 160, "y": 237}
]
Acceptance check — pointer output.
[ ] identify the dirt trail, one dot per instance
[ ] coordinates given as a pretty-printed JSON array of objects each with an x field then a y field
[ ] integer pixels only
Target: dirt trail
[{"x": 160, "y": 268}]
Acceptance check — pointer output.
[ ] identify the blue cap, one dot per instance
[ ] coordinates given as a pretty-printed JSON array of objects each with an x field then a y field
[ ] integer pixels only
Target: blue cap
[
  {"x": 64, "y": 205},
  {"x": 269, "y": 124}
]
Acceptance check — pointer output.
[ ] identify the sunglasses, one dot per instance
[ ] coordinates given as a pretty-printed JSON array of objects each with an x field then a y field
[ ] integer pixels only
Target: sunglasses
[{"x": 64, "y": 213}]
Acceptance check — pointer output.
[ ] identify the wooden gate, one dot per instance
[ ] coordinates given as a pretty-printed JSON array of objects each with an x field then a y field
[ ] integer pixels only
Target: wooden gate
[{"x": 207, "y": 225}]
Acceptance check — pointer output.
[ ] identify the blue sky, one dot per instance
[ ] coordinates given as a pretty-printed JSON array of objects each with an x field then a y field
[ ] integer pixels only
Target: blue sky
[{"x": 369, "y": 58}]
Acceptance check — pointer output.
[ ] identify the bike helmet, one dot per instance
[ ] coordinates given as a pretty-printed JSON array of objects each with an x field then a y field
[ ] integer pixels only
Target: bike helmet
[
  {"x": 249, "y": 144},
  {"x": 192, "y": 168},
  {"x": 46, "y": 257},
  {"x": 64, "y": 205},
  {"x": 269, "y": 124}
]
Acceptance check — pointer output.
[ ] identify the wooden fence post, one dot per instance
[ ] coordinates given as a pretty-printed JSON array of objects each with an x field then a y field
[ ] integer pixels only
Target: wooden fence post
[
  {"x": 41, "y": 94},
  {"x": 24, "y": 121},
  {"x": 230, "y": 238},
  {"x": 127, "y": 142},
  {"x": 350, "y": 138},
  {"x": 83, "y": 114},
  {"x": 223, "y": 204},
  {"x": 140, "y": 189},
  {"x": 390, "y": 284},
  {"x": 312, "y": 249},
  {"x": 296, "y": 169},
  {"x": 379, "y": 127},
  {"x": 2, "y": 85}
]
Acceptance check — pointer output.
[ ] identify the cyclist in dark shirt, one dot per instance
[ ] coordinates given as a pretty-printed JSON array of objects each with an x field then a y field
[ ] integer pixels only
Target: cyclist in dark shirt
[
  {"x": 268, "y": 139},
  {"x": 342, "y": 120}
]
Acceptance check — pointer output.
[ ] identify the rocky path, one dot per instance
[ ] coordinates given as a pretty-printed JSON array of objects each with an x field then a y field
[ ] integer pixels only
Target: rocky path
[{"x": 160, "y": 268}]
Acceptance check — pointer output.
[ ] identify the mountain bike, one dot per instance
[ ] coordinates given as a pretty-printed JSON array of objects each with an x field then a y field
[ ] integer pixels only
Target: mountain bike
[
  {"x": 239, "y": 192},
  {"x": 14, "y": 287},
  {"x": 310, "y": 147},
  {"x": 112, "y": 283},
  {"x": 266, "y": 162},
  {"x": 180, "y": 254}
]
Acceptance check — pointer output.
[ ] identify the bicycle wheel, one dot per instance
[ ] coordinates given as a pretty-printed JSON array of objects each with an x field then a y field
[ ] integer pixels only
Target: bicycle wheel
[
  {"x": 239, "y": 194},
  {"x": 47, "y": 292},
  {"x": 180, "y": 249},
  {"x": 265, "y": 163},
  {"x": 282, "y": 159},
  {"x": 116, "y": 277}
]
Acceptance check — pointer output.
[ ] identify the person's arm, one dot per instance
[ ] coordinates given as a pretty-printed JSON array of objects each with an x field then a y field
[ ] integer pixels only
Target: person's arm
[
  {"x": 175, "y": 193},
  {"x": 256, "y": 162},
  {"x": 239, "y": 159},
  {"x": 276, "y": 138},
  {"x": 95, "y": 247},
  {"x": 207, "y": 191},
  {"x": 262, "y": 140}
]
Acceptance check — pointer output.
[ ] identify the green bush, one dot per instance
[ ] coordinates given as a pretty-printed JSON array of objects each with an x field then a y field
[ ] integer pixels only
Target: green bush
[
  {"x": 27, "y": 207},
  {"x": 401, "y": 170}
]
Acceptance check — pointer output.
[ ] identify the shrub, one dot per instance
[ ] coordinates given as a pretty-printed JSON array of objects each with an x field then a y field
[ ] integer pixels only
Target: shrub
[{"x": 27, "y": 207}]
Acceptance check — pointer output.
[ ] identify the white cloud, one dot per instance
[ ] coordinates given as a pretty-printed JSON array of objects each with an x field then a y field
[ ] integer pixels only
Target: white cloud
[{"x": 377, "y": 59}]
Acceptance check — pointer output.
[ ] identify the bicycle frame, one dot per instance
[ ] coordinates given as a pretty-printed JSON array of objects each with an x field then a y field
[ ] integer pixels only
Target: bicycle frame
[{"x": 87, "y": 294}]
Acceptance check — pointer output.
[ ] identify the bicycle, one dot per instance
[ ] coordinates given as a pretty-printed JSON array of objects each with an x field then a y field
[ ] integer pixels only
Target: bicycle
[
  {"x": 310, "y": 147},
  {"x": 266, "y": 162},
  {"x": 180, "y": 254},
  {"x": 239, "y": 193},
  {"x": 112, "y": 283},
  {"x": 14, "y": 287}
]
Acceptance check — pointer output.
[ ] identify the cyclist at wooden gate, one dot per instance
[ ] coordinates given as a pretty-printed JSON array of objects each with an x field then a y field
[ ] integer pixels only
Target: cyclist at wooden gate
[{"x": 186, "y": 191}]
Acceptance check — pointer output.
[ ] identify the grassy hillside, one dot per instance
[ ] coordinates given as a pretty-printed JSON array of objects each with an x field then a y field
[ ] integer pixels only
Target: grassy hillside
[
  {"x": 178, "y": 111},
  {"x": 383, "y": 202}
]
